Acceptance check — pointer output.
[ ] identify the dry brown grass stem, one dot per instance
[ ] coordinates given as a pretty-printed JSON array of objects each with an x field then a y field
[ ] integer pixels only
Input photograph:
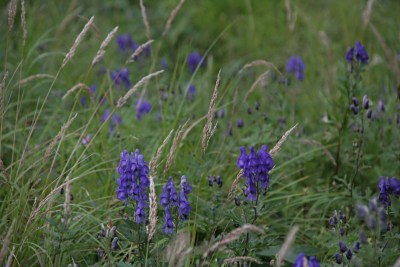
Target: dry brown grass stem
[
  {"x": 241, "y": 259},
  {"x": 232, "y": 236},
  {"x": 154, "y": 162},
  {"x": 175, "y": 143},
  {"x": 139, "y": 50},
  {"x": 172, "y": 17},
  {"x": 145, "y": 21},
  {"x": 2, "y": 90},
  {"x": 367, "y": 12},
  {"x": 274, "y": 151},
  {"x": 6, "y": 241},
  {"x": 261, "y": 80},
  {"x": 234, "y": 185},
  {"x": 34, "y": 77},
  {"x": 286, "y": 245},
  {"x": 102, "y": 50},
  {"x": 178, "y": 249},
  {"x": 144, "y": 80},
  {"x": 3, "y": 170},
  {"x": 260, "y": 62},
  {"x": 23, "y": 23},
  {"x": 12, "y": 11},
  {"x": 209, "y": 129},
  {"x": 58, "y": 136},
  {"x": 74, "y": 88},
  {"x": 151, "y": 229},
  {"x": 78, "y": 40},
  {"x": 291, "y": 18},
  {"x": 67, "y": 201}
]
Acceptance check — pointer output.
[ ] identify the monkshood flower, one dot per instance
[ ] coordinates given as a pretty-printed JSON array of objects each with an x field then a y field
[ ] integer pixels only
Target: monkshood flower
[
  {"x": 296, "y": 66},
  {"x": 338, "y": 220},
  {"x": 184, "y": 205},
  {"x": 194, "y": 59},
  {"x": 163, "y": 63},
  {"x": 357, "y": 53},
  {"x": 373, "y": 216},
  {"x": 302, "y": 261},
  {"x": 114, "y": 120},
  {"x": 191, "y": 92},
  {"x": 239, "y": 123},
  {"x": 142, "y": 107},
  {"x": 133, "y": 182},
  {"x": 256, "y": 169},
  {"x": 125, "y": 43},
  {"x": 388, "y": 187},
  {"x": 121, "y": 76},
  {"x": 169, "y": 199}
]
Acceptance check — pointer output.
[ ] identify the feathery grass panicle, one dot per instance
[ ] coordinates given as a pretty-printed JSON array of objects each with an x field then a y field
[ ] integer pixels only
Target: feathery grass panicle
[
  {"x": 151, "y": 229},
  {"x": 241, "y": 259},
  {"x": 286, "y": 245},
  {"x": 144, "y": 80},
  {"x": 78, "y": 40},
  {"x": 12, "y": 11},
  {"x": 234, "y": 185},
  {"x": 257, "y": 63},
  {"x": 175, "y": 142},
  {"x": 2, "y": 91},
  {"x": 74, "y": 88},
  {"x": 367, "y": 12},
  {"x": 58, "y": 136},
  {"x": 208, "y": 127},
  {"x": 172, "y": 17},
  {"x": 154, "y": 162},
  {"x": 274, "y": 151},
  {"x": 291, "y": 18},
  {"x": 139, "y": 50},
  {"x": 102, "y": 50},
  {"x": 261, "y": 80},
  {"x": 34, "y": 77},
  {"x": 145, "y": 21},
  {"x": 232, "y": 236},
  {"x": 67, "y": 201},
  {"x": 23, "y": 23},
  {"x": 178, "y": 249},
  {"x": 6, "y": 241}
]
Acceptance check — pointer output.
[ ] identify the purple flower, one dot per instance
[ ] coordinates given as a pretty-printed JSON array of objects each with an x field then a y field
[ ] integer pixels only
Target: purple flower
[
  {"x": 349, "y": 255},
  {"x": 239, "y": 123},
  {"x": 365, "y": 102},
  {"x": 296, "y": 66},
  {"x": 168, "y": 223},
  {"x": 357, "y": 53},
  {"x": 356, "y": 246},
  {"x": 191, "y": 92},
  {"x": 388, "y": 187},
  {"x": 126, "y": 44},
  {"x": 338, "y": 258},
  {"x": 184, "y": 205},
  {"x": 194, "y": 59},
  {"x": 86, "y": 140},
  {"x": 169, "y": 196},
  {"x": 163, "y": 63},
  {"x": 142, "y": 107},
  {"x": 256, "y": 169},
  {"x": 133, "y": 182},
  {"x": 301, "y": 261},
  {"x": 121, "y": 76},
  {"x": 114, "y": 120},
  {"x": 342, "y": 246}
]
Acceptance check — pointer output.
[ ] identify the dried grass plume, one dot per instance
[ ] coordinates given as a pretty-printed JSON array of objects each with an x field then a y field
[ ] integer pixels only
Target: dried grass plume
[
  {"x": 23, "y": 23},
  {"x": 139, "y": 50},
  {"x": 274, "y": 151},
  {"x": 12, "y": 11},
  {"x": 145, "y": 21},
  {"x": 74, "y": 88},
  {"x": 102, "y": 50},
  {"x": 172, "y": 17}
]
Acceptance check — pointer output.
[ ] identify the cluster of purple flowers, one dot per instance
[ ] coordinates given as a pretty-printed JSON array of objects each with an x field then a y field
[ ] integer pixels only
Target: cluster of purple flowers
[
  {"x": 133, "y": 182},
  {"x": 256, "y": 169},
  {"x": 169, "y": 199},
  {"x": 373, "y": 215},
  {"x": 388, "y": 187},
  {"x": 127, "y": 45},
  {"x": 357, "y": 53},
  {"x": 302, "y": 261},
  {"x": 338, "y": 221},
  {"x": 142, "y": 107},
  {"x": 121, "y": 76},
  {"x": 296, "y": 66},
  {"x": 346, "y": 251},
  {"x": 215, "y": 179},
  {"x": 194, "y": 60},
  {"x": 114, "y": 120}
]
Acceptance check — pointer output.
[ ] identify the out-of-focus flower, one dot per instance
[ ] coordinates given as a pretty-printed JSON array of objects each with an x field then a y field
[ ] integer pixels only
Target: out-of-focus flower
[
  {"x": 121, "y": 76},
  {"x": 302, "y": 261},
  {"x": 114, "y": 120},
  {"x": 296, "y": 66},
  {"x": 142, "y": 107},
  {"x": 194, "y": 59},
  {"x": 357, "y": 53}
]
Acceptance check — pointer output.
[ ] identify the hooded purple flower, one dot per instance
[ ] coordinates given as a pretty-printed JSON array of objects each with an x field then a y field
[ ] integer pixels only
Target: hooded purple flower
[
  {"x": 126, "y": 44},
  {"x": 114, "y": 120},
  {"x": 184, "y": 205},
  {"x": 388, "y": 187},
  {"x": 121, "y": 76},
  {"x": 256, "y": 169},
  {"x": 357, "y": 53},
  {"x": 301, "y": 259},
  {"x": 168, "y": 223},
  {"x": 133, "y": 182},
  {"x": 142, "y": 107},
  {"x": 296, "y": 66},
  {"x": 195, "y": 59},
  {"x": 191, "y": 92}
]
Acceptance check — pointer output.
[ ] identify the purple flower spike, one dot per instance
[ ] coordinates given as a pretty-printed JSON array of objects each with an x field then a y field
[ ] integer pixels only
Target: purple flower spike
[
  {"x": 184, "y": 205},
  {"x": 142, "y": 107},
  {"x": 195, "y": 59},
  {"x": 296, "y": 66}
]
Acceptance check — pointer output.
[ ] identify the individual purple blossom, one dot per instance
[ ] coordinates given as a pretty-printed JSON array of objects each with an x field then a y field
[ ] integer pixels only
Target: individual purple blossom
[
  {"x": 114, "y": 120},
  {"x": 357, "y": 53},
  {"x": 296, "y": 66},
  {"x": 194, "y": 59},
  {"x": 388, "y": 187},
  {"x": 302, "y": 259},
  {"x": 133, "y": 182},
  {"x": 163, "y": 63},
  {"x": 365, "y": 102},
  {"x": 356, "y": 246},
  {"x": 338, "y": 258},
  {"x": 169, "y": 199},
  {"x": 349, "y": 254},
  {"x": 342, "y": 246},
  {"x": 142, "y": 107},
  {"x": 354, "y": 109},
  {"x": 168, "y": 223},
  {"x": 126, "y": 44},
  {"x": 256, "y": 167},
  {"x": 121, "y": 76},
  {"x": 184, "y": 205},
  {"x": 86, "y": 140},
  {"x": 239, "y": 123},
  {"x": 191, "y": 92}
]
